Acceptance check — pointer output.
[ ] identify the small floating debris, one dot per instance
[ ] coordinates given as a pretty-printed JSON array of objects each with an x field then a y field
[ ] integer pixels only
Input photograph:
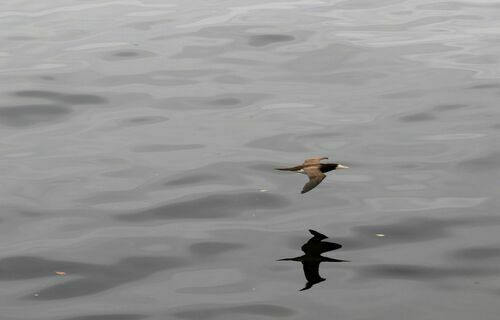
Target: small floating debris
[
  {"x": 380, "y": 235},
  {"x": 36, "y": 294},
  {"x": 263, "y": 190},
  {"x": 60, "y": 273}
]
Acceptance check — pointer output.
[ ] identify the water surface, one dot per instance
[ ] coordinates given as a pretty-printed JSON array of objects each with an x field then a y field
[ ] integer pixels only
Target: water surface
[{"x": 139, "y": 137}]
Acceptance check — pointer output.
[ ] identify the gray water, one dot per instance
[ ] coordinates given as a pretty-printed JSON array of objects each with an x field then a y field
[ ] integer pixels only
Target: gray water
[{"x": 139, "y": 137}]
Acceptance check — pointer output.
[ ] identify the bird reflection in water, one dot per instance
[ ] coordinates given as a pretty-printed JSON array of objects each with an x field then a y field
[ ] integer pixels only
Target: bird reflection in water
[{"x": 313, "y": 249}]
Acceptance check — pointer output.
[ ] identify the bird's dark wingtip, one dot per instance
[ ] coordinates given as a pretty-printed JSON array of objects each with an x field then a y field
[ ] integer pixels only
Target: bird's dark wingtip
[{"x": 316, "y": 234}]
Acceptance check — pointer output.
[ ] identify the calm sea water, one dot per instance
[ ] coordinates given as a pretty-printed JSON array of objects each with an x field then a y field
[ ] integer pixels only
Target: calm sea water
[{"x": 138, "y": 140}]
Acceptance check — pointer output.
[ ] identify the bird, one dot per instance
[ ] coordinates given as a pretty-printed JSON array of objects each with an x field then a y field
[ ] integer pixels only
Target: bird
[
  {"x": 313, "y": 249},
  {"x": 315, "y": 170}
]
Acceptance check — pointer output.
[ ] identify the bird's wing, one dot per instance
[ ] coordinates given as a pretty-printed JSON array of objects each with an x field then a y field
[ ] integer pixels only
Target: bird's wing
[
  {"x": 311, "y": 271},
  {"x": 317, "y": 235},
  {"x": 315, "y": 178},
  {"x": 313, "y": 161}
]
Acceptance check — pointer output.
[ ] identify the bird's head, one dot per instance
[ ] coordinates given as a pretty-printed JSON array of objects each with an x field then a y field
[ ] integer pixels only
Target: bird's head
[
  {"x": 341, "y": 166},
  {"x": 332, "y": 166}
]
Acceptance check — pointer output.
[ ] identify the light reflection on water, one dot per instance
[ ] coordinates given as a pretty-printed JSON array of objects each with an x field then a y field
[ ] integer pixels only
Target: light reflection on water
[{"x": 137, "y": 137}]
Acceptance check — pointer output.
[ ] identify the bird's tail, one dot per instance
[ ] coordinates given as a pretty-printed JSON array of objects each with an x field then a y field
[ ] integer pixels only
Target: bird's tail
[
  {"x": 290, "y": 169},
  {"x": 290, "y": 259}
]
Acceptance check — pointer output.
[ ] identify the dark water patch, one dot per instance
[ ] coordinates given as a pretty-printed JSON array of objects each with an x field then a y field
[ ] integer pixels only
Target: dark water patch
[
  {"x": 321, "y": 135},
  {"x": 218, "y": 32},
  {"x": 364, "y": 4},
  {"x": 410, "y": 166},
  {"x": 480, "y": 59},
  {"x": 166, "y": 147},
  {"x": 210, "y": 248},
  {"x": 408, "y": 150},
  {"x": 488, "y": 162},
  {"x": 127, "y": 55},
  {"x": 239, "y": 287},
  {"x": 224, "y": 101},
  {"x": 72, "y": 99},
  {"x": 419, "y": 22},
  {"x": 396, "y": 271},
  {"x": 423, "y": 273},
  {"x": 348, "y": 78},
  {"x": 221, "y": 311},
  {"x": 32, "y": 114},
  {"x": 417, "y": 117},
  {"x": 264, "y": 167},
  {"x": 216, "y": 173},
  {"x": 402, "y": 13},
  {"x": 481, "y": 86},
  {"x": 109, "y": 317},
  {"x": 450, "y": 107},
  {"x": 282, "y": 142},
  {"x": 48, "y": 78},
  {"x": 21, "y": 268},
  {"x": 146, "y": 25},
  {"x": 447, "y": 6},
  {"x": 139, "y": 121},
  {"x": 456, "y": 5},
  {"x": 114, "y": 196},
  {"x": 231, "y": 79},
  {"x": 410, "y": 230},
  {"x": 192, "y": 73},
  {"x": 199, "y": 52},
  {"x": 404, "y": 94},
  {"x": 92, "y": 278},
  {"x": 21, "y": 38},
  {"x": 327, "y": 59},
  {"x": 261, "y": 40},
  {"x": 237, "y": 37},
  {"x": 208, "y": 207},
  {"x": 479, "y": 254},
  {"x": 193, "y": 179},
  {"x": 237, "y": 61},
  {"x": 157, "y": 78},
  {"x": 30, "y": 214}
]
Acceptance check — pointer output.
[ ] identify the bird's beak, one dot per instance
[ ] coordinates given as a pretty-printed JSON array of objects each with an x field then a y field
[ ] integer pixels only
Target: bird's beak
[{"x": 342, "y": 167}]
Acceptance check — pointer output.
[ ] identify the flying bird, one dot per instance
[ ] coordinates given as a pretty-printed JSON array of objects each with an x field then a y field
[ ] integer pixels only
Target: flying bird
[
  {"x": 315, "y": 170},
  {"x": 312, "y": 258}
]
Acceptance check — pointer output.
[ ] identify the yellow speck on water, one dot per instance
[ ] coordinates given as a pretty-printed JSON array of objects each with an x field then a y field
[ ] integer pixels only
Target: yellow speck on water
[
  {"x": 263, "y": 190},
  {"x": 60, "y": 273},
  {"x": 380, "y": 235}
]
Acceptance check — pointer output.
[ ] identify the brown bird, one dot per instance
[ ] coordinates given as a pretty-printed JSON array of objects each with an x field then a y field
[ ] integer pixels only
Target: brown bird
[{"x": 315, "y": 170}]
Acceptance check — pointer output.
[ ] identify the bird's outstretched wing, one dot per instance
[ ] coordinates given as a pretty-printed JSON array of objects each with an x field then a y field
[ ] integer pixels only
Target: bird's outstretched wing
[
  {"x": 315, "y": 178},
  {"x": 311, "y": 272},
  {"x": 311, "y": 161}
]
